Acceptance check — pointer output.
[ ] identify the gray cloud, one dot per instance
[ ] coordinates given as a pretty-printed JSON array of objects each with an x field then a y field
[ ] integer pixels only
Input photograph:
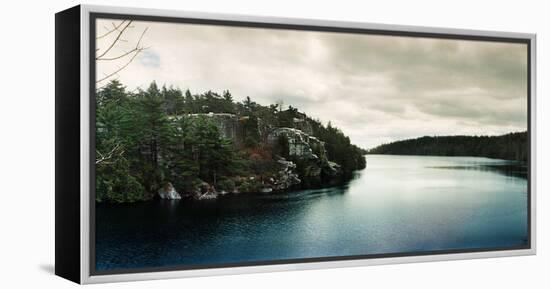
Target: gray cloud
[
  {"x": 375, "y": 88},
  {"x": 149, "y": 58}
]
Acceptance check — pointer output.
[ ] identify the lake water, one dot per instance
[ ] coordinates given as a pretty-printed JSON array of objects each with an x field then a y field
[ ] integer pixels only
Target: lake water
[{"x": 398, "y": 204}]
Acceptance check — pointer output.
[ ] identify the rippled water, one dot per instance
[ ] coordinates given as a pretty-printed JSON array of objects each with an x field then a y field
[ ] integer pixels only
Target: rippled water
[{"x": 398, "y": 204}]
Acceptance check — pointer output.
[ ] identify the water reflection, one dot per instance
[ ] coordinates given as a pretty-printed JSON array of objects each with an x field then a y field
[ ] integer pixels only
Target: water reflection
[
  {"x": 511, "y": 170},
  {"x": 397, "y": 204}
]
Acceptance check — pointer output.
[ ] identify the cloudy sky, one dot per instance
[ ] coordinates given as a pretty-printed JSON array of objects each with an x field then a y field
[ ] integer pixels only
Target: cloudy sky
[{"x": 377, "y": 89}]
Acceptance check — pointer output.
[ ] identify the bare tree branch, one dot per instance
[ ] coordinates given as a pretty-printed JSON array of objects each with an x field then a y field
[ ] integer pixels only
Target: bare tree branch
[
  {"x": 124, "y": 54},
  {"x": 121, "y": 68},
  {"x": 133, "y": 52},
  {"x": 115, "y": 28},
  {"x": 106, "y": 158},
  {"x": 136, "y": 49},
  {"x": 114, "y": 41}
]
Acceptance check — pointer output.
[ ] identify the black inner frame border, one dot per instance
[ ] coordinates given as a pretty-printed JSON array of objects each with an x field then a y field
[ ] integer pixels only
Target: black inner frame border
[{"x": 93, "y": 16}]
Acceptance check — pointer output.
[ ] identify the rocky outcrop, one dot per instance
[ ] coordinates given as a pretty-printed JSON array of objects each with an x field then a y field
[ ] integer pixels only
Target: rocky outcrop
[
  {"x": 303, "y": 160},
  {"x": 309, "y": 152},
  {"x": 333, "y": 169},
  {"x": 207, "y": 196},
  {"x": 287, "y": 176},
  {"x": 206, "y": 192},
  {"x": 168, "y": 192},
  {"x": 300, "y": 144},
  {"x": 303, "y": 125},
  {"x": 227, "y": 123},
  {"x": 236, "y": 128}
]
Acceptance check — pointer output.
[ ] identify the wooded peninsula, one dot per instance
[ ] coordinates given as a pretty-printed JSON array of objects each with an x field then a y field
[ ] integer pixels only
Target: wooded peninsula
[{"x": 168, "y": 143}]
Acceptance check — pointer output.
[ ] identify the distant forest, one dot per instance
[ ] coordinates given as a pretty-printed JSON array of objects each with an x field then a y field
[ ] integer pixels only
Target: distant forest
[{"x": 511, "y": 146}]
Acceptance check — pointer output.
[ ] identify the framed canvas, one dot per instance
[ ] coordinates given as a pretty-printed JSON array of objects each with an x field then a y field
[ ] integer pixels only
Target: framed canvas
[{"x": 194, "y": 144}]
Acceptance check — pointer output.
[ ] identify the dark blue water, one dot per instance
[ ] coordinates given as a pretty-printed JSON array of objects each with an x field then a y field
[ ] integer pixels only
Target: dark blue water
[{"x": 398, "y": 204}]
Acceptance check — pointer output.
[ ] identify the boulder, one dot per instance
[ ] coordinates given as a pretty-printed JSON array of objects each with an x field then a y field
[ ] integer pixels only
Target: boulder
[
  {"x": 266, "y": 190},
  {"x": 168, "y": 192},
  {"x": 206, "y": 192},
  {"x": 207, "y": 196}
]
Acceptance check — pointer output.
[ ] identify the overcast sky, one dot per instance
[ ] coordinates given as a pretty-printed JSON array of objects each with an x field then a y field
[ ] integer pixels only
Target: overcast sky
[{"x": 377, "y": 89}]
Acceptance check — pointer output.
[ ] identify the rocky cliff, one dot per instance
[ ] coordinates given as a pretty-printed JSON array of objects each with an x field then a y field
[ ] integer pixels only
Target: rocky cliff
[
  {"x": 227, "y": 123},
  {"x": 296, "y": 159},
  {"x": 307, "y": 152},
  {"x": 300, "y": 144}
]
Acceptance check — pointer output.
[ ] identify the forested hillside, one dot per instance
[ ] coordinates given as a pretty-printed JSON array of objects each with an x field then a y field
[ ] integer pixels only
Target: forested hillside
[
  {"x": 203, "y": 145},
  {"x": 512, "y": 146}
]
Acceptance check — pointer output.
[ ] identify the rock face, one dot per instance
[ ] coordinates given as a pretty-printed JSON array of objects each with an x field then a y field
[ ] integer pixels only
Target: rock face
[
  {"x": 309, "y": 153},
  {"x": 333, "y": 169},
  {"x": 227, "y": 123},
  {"x": 300, "y": 144},
  {"x": 232, "y": 126},
  {"x": 168, "y": 192},
  {"x": 303, "y": 125},
  {"x": 287, "y": 176}
]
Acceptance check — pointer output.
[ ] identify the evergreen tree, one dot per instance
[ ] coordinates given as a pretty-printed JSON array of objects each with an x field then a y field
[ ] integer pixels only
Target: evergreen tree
[
  {"x": 154, "y": 132},
  {"x": 173, "y": 100},
  {"x": 114, "y": 179},
  {"x": 113, "y": 92},
  {"x": 182, "y": 167},
  {"x": 212, "y": 153},
  {"x": 189, "y": 106}
]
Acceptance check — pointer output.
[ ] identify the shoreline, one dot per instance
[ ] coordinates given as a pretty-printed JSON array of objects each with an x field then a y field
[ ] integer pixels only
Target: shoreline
[{"x": 191, "y": 197}]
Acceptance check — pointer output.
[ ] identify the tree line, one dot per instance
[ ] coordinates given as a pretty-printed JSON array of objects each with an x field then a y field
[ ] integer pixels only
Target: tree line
[{"x": 511, "y": 146}]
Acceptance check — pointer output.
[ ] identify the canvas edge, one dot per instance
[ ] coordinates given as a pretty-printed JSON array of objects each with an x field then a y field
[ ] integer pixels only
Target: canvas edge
[
  {"x": 533, "y": 142},
  {"x": 67, "y": 178},
  {"x": 87, "y": 278},
  {"x": 84, "y": 145}
]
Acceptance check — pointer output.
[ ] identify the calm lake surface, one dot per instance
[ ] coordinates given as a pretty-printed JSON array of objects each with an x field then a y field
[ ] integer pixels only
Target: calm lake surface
[{"x": 398, "y": 204}]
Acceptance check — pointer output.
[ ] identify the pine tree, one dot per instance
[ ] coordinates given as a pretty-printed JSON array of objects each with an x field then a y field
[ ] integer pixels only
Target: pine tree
[{"x": 153, "y": 134}]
